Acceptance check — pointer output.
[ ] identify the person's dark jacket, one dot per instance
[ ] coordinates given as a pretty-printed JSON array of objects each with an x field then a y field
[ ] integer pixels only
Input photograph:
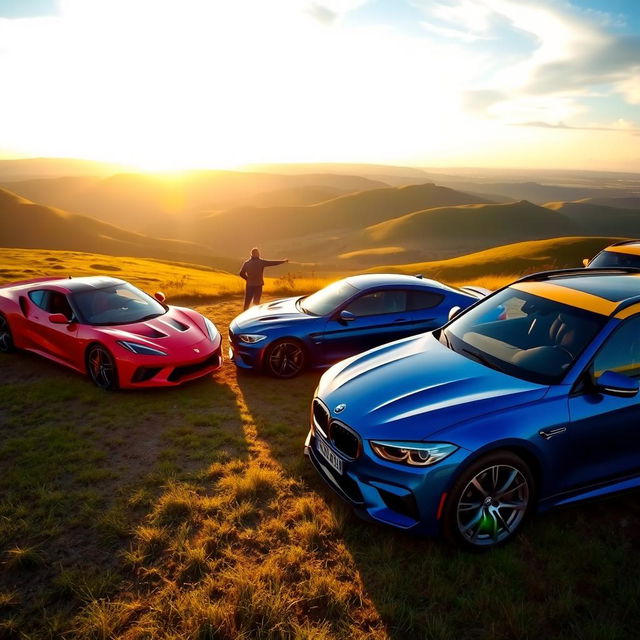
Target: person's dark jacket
[{"x": 253, "y": 269}]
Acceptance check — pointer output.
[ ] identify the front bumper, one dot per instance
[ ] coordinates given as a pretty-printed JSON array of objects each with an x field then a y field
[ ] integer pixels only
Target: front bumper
[
  {"x": 136, "y": 372},
  {"x": 402, "y": 497},
  {"x": 244, "y": 355}
]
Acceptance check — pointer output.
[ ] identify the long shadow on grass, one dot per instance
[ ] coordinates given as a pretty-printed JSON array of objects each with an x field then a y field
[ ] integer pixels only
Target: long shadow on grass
[
  {"x": 81, "y": 468},
  {"x": 571, "y": 574}
]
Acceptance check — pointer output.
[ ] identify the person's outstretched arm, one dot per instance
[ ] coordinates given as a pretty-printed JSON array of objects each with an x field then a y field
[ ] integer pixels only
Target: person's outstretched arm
[{"x": 273, "y": 263}]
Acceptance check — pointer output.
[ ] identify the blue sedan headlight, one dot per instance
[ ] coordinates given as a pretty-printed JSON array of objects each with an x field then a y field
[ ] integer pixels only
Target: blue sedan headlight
[
  {"x": 251, "y": 338},
  {"x": 140, "y": 349},
  {"x": 211, "y": 328},
  {"x": 414, "y": 454}
]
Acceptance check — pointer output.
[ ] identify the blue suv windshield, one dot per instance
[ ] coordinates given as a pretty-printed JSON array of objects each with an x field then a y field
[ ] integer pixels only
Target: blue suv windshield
[{"x": 524, "y": 335}]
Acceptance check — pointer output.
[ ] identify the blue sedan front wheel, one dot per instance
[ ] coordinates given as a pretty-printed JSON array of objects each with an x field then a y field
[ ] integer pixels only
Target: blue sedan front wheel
[
  {"x": 285, "y": 358},
  {"x": 489, "y": 502}
]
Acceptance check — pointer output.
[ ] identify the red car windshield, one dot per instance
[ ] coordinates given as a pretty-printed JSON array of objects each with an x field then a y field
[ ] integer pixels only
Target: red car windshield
[{"x": 118, "y": 304}]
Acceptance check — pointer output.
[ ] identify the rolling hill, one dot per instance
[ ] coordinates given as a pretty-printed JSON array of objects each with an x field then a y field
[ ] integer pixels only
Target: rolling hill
[
  {"x": 26, "y": 224},
  {"x": 323, "y": 228},
  {"x": 150, "y": 203},
  {"x": 599, "y": 219},
  {"x": 508, "y": 262},
  {"x": 460, "y": 229}
]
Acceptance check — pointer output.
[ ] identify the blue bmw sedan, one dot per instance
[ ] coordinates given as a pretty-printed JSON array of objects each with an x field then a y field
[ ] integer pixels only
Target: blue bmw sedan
[
  {"x": 346, "y": 317},
  {"x": 466, "y": 430}
]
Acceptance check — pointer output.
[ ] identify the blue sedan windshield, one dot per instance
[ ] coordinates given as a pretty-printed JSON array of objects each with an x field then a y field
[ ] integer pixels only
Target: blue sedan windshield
[
  {"x": 326, "y": 300},
  {"x": 525, "y": 335}
]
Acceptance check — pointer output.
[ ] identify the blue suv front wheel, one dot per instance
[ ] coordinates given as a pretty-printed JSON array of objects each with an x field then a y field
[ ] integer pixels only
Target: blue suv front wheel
[{"x": 489, "y": 501}]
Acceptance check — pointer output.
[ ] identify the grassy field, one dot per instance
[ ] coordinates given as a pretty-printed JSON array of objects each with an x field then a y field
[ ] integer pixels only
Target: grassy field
[
  {"x": 190, "y": 282},
  {"x": 191, "y": 513}
]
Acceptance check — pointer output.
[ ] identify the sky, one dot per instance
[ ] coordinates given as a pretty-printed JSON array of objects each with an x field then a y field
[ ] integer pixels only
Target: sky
[{"x": 175, "y": 84}]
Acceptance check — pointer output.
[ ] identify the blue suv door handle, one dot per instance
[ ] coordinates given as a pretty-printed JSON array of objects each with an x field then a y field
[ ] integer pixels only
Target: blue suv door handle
[{"x": 547, "y": 434}]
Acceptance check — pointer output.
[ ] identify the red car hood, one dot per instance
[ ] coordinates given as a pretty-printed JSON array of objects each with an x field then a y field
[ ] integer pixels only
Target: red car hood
[{"x": 176, "y": 329}]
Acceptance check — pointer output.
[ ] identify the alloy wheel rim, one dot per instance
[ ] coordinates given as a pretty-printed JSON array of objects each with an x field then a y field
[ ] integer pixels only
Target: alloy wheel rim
[
  {"x": 492, "y": 505},
  {"x": 286, "y": 359},
  {"x": 101, "y": 368},
  {"x": 5, "y": 335}
]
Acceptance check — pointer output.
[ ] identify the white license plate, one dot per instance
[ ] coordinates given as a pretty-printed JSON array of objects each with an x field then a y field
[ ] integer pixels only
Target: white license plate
[{"x": 328, "y": 455}]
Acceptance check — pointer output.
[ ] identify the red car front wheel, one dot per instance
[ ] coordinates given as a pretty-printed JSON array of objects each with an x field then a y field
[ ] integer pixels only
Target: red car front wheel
[{"x": 102, "y": 368}]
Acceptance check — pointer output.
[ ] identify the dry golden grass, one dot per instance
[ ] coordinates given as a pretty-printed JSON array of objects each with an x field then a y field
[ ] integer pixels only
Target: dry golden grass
[{"x": 174, "y": 279}]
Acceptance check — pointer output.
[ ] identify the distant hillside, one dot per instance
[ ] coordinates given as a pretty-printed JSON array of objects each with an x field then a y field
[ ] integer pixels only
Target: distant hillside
[
  {"x": 275, "y": 226},
  {"x": 460, "y": 229},
  {"x": 391, "y": 174},
  {"x": 532, "y": 191},
  {"x": 26, "y": 224},
  {"x": 150, "y": 203},
  {"x": 630, "y": 202},
  {"x": 512, "y": 260},
  {"x": 30, "y": 168},
  {"x": 599, "y": 219}
]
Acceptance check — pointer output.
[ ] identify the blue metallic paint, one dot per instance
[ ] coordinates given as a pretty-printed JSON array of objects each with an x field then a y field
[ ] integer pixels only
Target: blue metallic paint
[
  {"x": 327, "y": 339},
  {"x": 577, "y": 445}
]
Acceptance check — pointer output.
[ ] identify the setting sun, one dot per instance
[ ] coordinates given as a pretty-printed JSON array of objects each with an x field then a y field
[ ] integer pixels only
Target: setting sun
[{"x": 166, "y": 85}]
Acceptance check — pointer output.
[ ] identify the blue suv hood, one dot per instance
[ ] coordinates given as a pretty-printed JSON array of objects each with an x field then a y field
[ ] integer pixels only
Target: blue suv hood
[{"x": 413, "y": 388}]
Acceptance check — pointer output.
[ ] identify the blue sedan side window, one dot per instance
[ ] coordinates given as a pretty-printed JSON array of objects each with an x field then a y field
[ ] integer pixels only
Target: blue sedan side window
[
  {"x": 418, "y": 300},
  {"x": 621, "y": 352},
  {"x": 379, "y": 302}
]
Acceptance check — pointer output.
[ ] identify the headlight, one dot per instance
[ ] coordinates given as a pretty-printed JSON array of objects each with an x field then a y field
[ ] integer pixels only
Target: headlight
[
  {"x": 211, "y": 328},
  {"x": 251, "y": 338},
  {"x": 415, "y": 454},
  {"x": 140, "y": 349}
]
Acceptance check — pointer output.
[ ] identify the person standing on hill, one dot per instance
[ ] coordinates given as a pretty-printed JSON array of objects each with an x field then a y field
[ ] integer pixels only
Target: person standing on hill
[{"x": 252, "y": 271}]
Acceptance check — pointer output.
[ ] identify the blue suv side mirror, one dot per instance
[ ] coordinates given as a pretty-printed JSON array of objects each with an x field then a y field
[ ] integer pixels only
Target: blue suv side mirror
[{"x": 617, "y": 384}]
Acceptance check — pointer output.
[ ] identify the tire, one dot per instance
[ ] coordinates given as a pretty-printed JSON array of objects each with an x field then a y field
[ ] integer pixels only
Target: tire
[
  {"x": 6, "y": 338},
  {"x": 101, "y": 367},
  {"x": 285, "y": 358},
  {"x": 489, "y": 502}
]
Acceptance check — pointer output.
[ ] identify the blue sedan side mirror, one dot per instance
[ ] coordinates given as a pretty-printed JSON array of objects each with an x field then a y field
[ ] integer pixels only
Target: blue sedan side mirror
[
  {"x": 346, "y": 316},
  {"x": 617, "y": 384},
  {"x": 453, "y": 312}
]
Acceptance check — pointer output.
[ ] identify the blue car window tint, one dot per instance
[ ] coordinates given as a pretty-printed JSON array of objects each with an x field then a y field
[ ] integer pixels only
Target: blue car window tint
[
  {"x": 621, "y": 352},
  {"x": 38, "y": 298},
  {"x": 328, "y": 299},
  {"x": 418, "y": 300},
  {"x": 379, "y": 303},
  {"x": 615, "y": 259},
  {"x": 524, "y": 335}
]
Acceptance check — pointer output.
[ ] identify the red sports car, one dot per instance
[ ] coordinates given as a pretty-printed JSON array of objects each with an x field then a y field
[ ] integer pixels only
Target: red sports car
[{"x": 119, "y": 335}]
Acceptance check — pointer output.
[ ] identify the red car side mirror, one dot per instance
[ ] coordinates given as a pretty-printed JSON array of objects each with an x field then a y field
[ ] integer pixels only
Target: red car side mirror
[
  {"x": 58, "y": 318},
  {"x": 159, "y": 296}
]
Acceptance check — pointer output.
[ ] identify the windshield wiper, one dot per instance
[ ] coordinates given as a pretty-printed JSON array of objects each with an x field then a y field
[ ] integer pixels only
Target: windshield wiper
[{"x": 484, "y": 360}]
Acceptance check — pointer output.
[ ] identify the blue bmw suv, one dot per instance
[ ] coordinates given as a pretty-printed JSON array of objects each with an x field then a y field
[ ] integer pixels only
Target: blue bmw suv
[
  {"x": 348, "y": 316},
  {"x": 525, "y": 401}
]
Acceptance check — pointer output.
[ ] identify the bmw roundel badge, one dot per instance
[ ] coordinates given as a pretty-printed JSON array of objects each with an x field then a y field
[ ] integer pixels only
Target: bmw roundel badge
[{"x": 340, "y": 408}]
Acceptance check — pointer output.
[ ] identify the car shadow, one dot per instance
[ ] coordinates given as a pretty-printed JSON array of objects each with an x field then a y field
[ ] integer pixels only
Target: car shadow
[{"x": 561, "y": 564}]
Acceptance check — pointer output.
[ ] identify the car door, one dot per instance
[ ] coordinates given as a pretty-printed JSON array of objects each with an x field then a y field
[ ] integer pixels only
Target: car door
[
  {"x": 377, "y": 317},
  {"x": 57, "y": 340},
  {"x": 427, "y": 308},
  {"x": 604, "y": 436}
]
